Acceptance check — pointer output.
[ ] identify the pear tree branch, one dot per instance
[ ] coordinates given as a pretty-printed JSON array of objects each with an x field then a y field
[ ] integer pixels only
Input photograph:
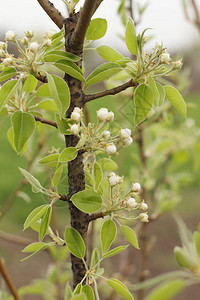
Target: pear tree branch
[
  {"x": 52, "y": 12},
  {"x": 45, "y": 121}
]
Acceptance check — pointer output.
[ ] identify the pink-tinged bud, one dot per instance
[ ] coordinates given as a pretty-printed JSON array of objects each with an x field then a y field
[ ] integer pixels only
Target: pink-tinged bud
[{"x": 178, "y": 64}]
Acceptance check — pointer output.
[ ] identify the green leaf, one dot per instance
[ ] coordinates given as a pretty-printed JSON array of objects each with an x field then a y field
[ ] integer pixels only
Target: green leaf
[
  {"x": 107, "y": 164},
  {"x": 77, "y": 289},
  {"x": 6, "y": 92},
  {"x": 98, "y": 175},
  {"x": 176, "y": 99},
  {"x": 43, "y": 91},
  {"x": 63, "y": 125},
  {"x": 68, "y": 292},
  {"x": 108, "y": 234},
  {"x": 49, "y": 160},
  {"x": 74, "y": 242},
  {"x": 70, "y": 68},
  {"x": 80, "y": 296},
  {"x": 37, "y": 188},
  {"x": 97, "y": 29},
  {"x": 10, "y": 135},
  {"x": 143, "y": 102},
  {"x": 130, "y": 236},
  {"x": 168, "y": 290},
  {"x": 53, "y": 56},
  {"x": 108, "y": 53},
  {"x": 88, "y": 292},
  {"x": 196, "y": 237},
  {"x": 182, "y": 258},
  {"x": 102, "y": 73},
  {"x": 48, "y": 104},
  {"x": 60, "y": 93},
  {"x": 120, "y": 288},
  {"x": 46, "y": 245},
  {"x": 57, "y": 175},
  {"x": 131, "y": 39},
  {"x": 35, "y": 215},
  {"x": 87, "y": 201},
  {"x": 68, "y": 154},
  {"x": 161, "y": 92},
  {"x": 34, "y": 247},
  {"x": 7, "y": 73},
  {"x": 115, "y": 251},
  {"x": 23, "y": 127},
  {"x": 95, "y": 258},
  {"x": 154, "y": 89},
  {"x": 30, "y": 84},
  {"x": 45, "y": 223}
]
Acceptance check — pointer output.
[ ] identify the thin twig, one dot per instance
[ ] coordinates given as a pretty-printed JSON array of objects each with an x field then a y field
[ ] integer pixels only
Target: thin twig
[
  {"x": 96, "y": 216},
  {"x": 13, "y": 238},
  {"x": 52, "y": 12},
  {"x": 45, "y": 121},
  {"x": 97, "y": 4},
  {"x": 86, "y": 13},
  {"x": 8, "y": 280},
  {"x": 112, "y": 91}
]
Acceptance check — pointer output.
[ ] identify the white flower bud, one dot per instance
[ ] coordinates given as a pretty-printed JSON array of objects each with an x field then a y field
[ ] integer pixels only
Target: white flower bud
[
  {"x": 48, "y": 43},
  {"x": 125, "y": 133},
  {"x": 34, "y": 46},
  {"x": 2, "y": 46},
  {"x": 7, "y": 61},
  {"x": 113, "y": 180},
  {"x": 110, "y": 116},
  {"x": 143, "y": 206},
  {"x": 128, "y": 141},
  {"x": 106, "y": 134},
  {"x": 131, "y": 203},
  {"x": 102, "y": 114},
  {"x": 111, "y": 149},
  {"x": 24, "y": 41},
  {"x": 78, "y": 110},
  {"x": 10, "y": 35},
  {"x": 136, "y": 187},
  {"x": 111, "y": 174},
  {"x": 29, "y": 33},
  {"x": 75, "y": 116},
  {"x": 178, "y": 64},
  {"x": 165, "y": 57},
  {"x": 144, "y": 217},
  {"x": 2, "y": 53},
  {"x": 75, "y": 129}
]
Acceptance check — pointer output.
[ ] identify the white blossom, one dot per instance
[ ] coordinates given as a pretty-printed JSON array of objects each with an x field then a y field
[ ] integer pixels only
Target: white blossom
[
  {"x": 48, "y": 43},
  {"x": 165, "y": 57},
  {"x": 10, "y": 35},
  {"x": 106, "y": 134},
  {"x": 2, "y": 53},
  {"x": 125, "y": 133},
  {"x": 102, "y": 114},
  {"x": 128, "y": 141},
  {"x": 75, "y": 116},
  {"x": 178, "y": 64},
  {"x": 2, "y": 46},
  {"x": 110, "y": 116},
  {"x": 34, "y": 46},
  {"x": 8, "y": 61},
  {"x": 144, "y": 217},
  {"x": 136, "y": 187},
  {"x": 143, "y": 206},
  {"x": 75, "y": 129},
  {"x": 131, "y": 203},
  {"x": 111, "y": 149},
  {"x": 78, "y": 109},
  {"x": 114, "y": 179}
]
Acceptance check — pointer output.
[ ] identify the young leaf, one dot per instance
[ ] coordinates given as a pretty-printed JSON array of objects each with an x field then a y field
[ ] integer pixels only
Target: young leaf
[
  {"x": 6, "y": 92},
  {"x": 44, "y": 225},
  {"x": 63, "y": 125},
  {"x": 153, "y": 87},
  {"x": 182, "y": 258},
  {"x": 98, "y": 175},
  {"x": 161, "y": 92},
  {"x": 95, "y": 258},
  {"x": 10, "y": 135},
  {"x": 68, "y": 292},
  {"x": 34, "y": 247},
  {"x": 108, "y": 234},
  {"x": 88, "y": 292},
  {"x": 102, "y": 73},
  {"x": 57, "y": 175},
  {"x": 143, "y": 102},
  {"x": 32, "y": 180},
  {"x": 80, "y": 296},
  {"x": 30, "y": 84},
  {"x": 196, "y": 237},
  {"x": 115, "y": 251},
  {"x": 70, "y": 68},
  {"x": 87, "y": 201},
  {"x": 48, "y": 104},
  {"x": 23, "y": 127},
  {"x": 46, "y": 245},
  {"x": 167, "y": 291},
  {"x": 120, "y": 288},
  {"x": 176, "y": 99},
  {"x": 130, "y": 236},
  {"x": 60, "y": 93},
  {"x": 131, "y": 39},
  {"x": 7, "y": 73},
  {"x": 77, "y": 289},
  {"x": 109, "y": 53},
  {"x": 35, "y": 215},
  {"x": 43, "y": 91},
  {"x": 74, "y": 242},
  {"x": 97, "y": 29},
  {"x": 49, "y": 160},
  {"x": 54, "y": 56},
  {"x": 107, "y": 164},
  {"x": 68, "y": 154}
]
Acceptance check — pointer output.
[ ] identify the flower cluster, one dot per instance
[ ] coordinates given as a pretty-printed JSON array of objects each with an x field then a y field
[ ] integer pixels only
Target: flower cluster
[{"x": 97, "y": 136}]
